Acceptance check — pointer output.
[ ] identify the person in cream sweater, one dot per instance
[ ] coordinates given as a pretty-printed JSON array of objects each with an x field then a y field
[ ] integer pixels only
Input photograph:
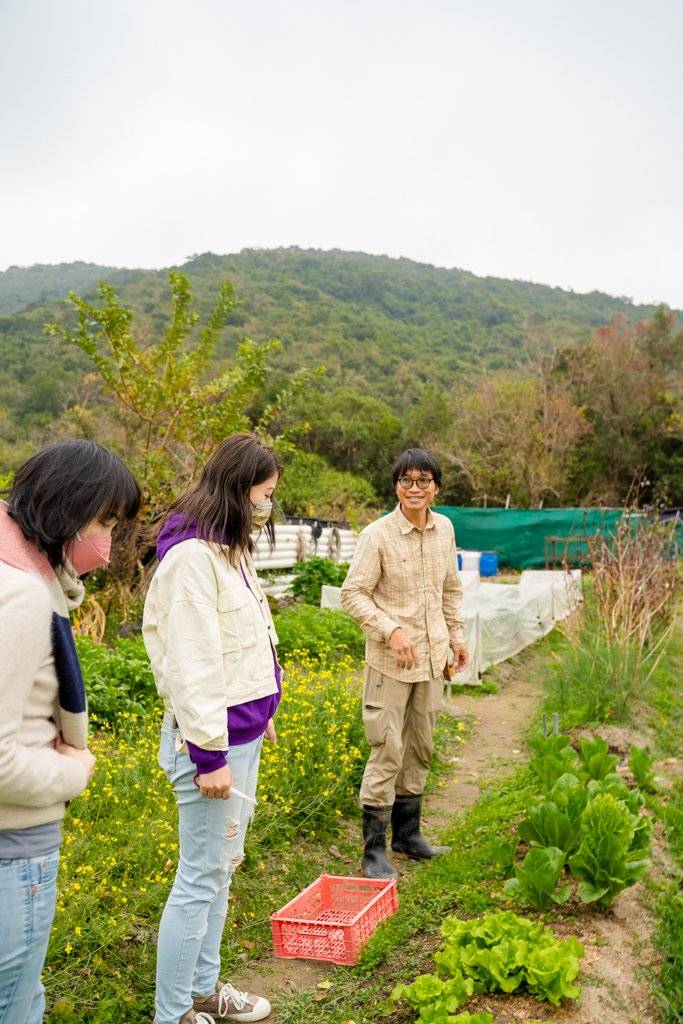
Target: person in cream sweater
[{"x": 55, "y": 526}]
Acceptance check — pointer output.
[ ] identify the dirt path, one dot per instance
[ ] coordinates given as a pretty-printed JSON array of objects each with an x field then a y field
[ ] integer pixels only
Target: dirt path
[{"x": 618, "y": 947}]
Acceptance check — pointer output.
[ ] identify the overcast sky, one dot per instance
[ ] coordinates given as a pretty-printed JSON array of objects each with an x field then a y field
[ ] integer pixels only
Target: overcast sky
[{"x": 531, "y": 139}]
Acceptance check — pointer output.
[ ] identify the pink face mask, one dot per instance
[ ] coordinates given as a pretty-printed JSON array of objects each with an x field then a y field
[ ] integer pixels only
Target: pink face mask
[{"x": 88, "y": 553}]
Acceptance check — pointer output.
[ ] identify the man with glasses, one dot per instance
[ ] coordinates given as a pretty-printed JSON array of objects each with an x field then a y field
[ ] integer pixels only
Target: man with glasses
[{"x": 403, "y": 588}]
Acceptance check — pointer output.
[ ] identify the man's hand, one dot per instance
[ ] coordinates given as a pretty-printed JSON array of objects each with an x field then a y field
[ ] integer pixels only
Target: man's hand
[
  {"x": 404, "y": 652},
  {"x": 461, "y": 658},
  {"x": 270, "y": 733},
  {"x": 216, "y": 785}
]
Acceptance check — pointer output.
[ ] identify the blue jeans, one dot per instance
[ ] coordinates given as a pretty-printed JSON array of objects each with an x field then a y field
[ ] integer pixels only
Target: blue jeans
[
  {"x": 211, "y": 847},
  {"x": 28, "y": 894}
]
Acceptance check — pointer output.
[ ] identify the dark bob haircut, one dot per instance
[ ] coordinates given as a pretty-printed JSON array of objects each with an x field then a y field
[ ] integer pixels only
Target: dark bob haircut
[
  {"x": 416, "y": 458},
  {"x": 219, "y": 504},
  {"x": 66, "y": 486}
]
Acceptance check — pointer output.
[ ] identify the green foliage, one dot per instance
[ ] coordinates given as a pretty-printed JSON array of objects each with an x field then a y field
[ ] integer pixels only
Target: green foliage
[
  {"x": 436, "y": 999},
  {"x": 174, "y": 415},
  {"x": 536, "y": 878},
  {"x": 309, "y": 577},
  {"x": 596, "y": 758},
  {"x": 318, "y": 633},
  {"x": 310, "y": 487},
  {"x": 22, "y": 286},
  {"x": 548, "y": 825},
  {"x": 640, "y": 763},
  {"x": 603, "y": 861},
  {"x": 596, "y": 676},
  {"x": 570, "y": 796},
  {"x": 553, "y": 757},
  {"x": 502, "y": 952},
  {"x": 498, "y": 952},
  {"x": 616, "y": 787},
  {"x": 354, "y": 431},
  {"x": 117, "y": 679},
  {"x": 393, "y": 336}
]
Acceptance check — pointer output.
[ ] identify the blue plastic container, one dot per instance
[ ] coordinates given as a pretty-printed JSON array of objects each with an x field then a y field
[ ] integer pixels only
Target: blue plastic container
[
  {"x": 459, "y": 557},
  {"x": 488, "y": 563}
]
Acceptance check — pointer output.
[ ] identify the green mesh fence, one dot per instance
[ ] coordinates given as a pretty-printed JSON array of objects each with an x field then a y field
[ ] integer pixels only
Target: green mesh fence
[{"x": 522, "y": 537}]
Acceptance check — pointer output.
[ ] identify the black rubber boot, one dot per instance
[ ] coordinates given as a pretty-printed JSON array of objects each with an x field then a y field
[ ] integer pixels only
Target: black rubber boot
[
  {"x": 375, "y": 824},
  {"x": 405, "y": 828}
]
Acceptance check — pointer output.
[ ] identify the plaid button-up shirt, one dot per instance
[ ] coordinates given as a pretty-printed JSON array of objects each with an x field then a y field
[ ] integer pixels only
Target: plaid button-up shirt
[{"x": 404, "y": 577}]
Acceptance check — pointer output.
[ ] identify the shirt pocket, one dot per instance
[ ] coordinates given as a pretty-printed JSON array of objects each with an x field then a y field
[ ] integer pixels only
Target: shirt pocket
[{"x": 236, "y": 620}]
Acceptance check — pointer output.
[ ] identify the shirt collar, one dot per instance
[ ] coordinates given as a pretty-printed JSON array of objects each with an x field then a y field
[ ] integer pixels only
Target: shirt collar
[{"x": 405, "y": 526}]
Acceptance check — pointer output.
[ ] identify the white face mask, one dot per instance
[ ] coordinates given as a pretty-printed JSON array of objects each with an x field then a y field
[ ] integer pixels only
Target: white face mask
[{"x": 261, "y": 512}]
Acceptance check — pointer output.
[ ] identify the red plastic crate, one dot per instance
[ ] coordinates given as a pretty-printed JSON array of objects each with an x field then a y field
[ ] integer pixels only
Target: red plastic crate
[{"x": 333, "y": 918}]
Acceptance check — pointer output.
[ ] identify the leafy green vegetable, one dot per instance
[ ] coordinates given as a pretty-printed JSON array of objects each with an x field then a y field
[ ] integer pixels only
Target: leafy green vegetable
[
  {"x": 535, "y": 880},
  {"x": 616, "y": 787},
  {"x": 434, "y": 997},
  {"x": 482, "y": 1017},
  {"x": 604, "y": 861},
  {"x": 597, "y": 759},
  {"x": 640, "y": 763},
  {"x": 554, "y": 758},
  {"x": 502, "y": 952},
  {"x": 503, "y": 854},
  {"x": 570, "y": 795},
  {"x": 548, "y": 825}
]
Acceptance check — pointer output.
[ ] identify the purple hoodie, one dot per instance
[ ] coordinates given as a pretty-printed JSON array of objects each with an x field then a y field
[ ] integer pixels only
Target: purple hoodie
[{"x": 246, "y": 722}]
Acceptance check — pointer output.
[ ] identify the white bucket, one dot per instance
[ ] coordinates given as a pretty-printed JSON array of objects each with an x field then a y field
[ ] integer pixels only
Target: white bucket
[{"x": 470, "y": 560}]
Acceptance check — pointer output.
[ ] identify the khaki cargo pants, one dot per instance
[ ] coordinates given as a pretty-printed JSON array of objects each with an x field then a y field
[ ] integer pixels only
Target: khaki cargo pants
[{"x": 399, "y": 724}]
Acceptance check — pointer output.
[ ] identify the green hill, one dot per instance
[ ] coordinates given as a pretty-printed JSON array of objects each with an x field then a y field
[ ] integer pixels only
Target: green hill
[
  {"x": 382, "y": 325},
  {"x": 21, "y": 286}
]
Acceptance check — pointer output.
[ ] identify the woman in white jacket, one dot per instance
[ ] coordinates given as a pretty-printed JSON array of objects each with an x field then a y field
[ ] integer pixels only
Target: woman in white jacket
[{"x": 211, "y": 641}]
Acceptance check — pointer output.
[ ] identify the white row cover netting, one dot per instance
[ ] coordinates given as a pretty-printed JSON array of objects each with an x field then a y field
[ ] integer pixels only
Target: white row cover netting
[{"x": 501, "y": 619}]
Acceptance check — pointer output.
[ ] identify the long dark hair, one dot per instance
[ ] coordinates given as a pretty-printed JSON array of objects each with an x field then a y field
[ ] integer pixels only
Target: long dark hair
[
  {"x": 64, "y": 487},
  {"x": 218, "y": 505}
]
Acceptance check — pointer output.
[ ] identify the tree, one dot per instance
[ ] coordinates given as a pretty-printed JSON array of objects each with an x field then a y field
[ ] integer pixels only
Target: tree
[
  {"x": 515, "y": 435},
  {"x": 174, "y": 411},
  {"x": 627, "y": 379}
]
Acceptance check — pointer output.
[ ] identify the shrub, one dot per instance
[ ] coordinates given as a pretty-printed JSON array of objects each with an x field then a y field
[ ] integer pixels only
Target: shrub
[
  {"x": 318, "y": 633},
  {"x": 309, "y": 577},
  {"x": 117, "y": 678}
]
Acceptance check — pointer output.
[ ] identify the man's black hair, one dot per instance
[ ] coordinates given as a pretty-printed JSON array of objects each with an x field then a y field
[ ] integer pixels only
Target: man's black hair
[
  {"x": 416, "y": 458},
  {"x": 64, "y": 487}
]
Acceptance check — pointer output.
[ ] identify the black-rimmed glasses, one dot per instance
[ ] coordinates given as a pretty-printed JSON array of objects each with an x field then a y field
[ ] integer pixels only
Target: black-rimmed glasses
[{"x": 423, "y": 482}]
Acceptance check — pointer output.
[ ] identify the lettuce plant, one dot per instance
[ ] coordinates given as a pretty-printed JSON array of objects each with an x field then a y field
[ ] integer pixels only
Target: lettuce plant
[
  {"x": 554, "y": 757},
  {"x": 536, "y": 878},
  {"x": 551, "y": 823},
  {"x": 616, "y": 787},
  {"x": 605, "y": 862},
  {"x": 597, "y": 759},
  {"x": 501, "y": 952},
  {"x": 434, "y": 997},
  {"x": 640, "y": 763}
]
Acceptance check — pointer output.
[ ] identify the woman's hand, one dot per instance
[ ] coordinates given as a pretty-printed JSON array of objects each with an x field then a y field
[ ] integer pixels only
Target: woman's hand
[
  {"x": 216, "y": 785},
  {"x": 84, "y": 756},
  {"x": 270, "y": 733}
]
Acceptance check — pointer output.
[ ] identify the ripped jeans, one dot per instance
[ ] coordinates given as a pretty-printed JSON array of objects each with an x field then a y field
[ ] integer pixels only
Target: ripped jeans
[{"x": 211, "y": 847}]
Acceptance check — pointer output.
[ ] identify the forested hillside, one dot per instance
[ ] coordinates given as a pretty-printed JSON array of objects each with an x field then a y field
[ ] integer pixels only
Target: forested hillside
[
  {"x": 21, "y": 286},
  {"x": 406, "y": 348}
]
